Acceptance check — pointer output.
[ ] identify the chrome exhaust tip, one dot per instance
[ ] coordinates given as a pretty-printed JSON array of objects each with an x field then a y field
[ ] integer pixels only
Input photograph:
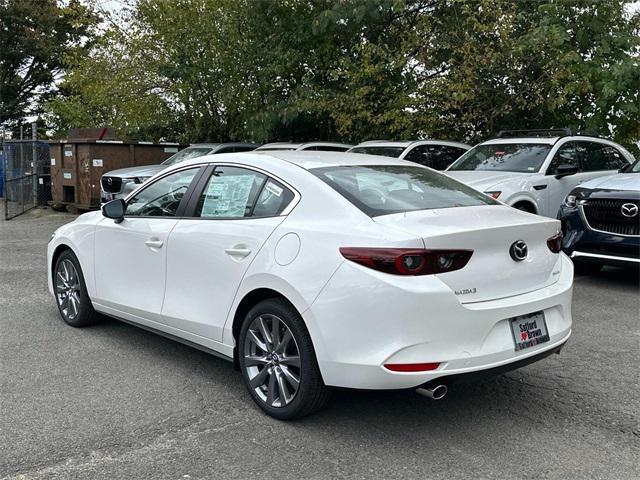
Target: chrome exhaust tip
[{"x": 434, "y": 393}]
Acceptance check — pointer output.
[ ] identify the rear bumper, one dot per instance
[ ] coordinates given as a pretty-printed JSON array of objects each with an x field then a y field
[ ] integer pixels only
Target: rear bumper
[
  {"x": 398, "y": 321},
  {"x": 487, "y": 373}
]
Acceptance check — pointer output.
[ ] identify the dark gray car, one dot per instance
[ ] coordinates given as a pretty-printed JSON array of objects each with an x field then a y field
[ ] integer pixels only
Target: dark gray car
[{"x": 119, "y": 183}]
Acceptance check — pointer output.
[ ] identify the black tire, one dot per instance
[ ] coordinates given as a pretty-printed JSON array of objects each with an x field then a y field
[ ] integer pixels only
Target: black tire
[
  {"x": 311, "y": 394},
  {"x": 586, "y": 268},
  {"x": 525, "y": 207},
  {"x": 84, "y": 315}
]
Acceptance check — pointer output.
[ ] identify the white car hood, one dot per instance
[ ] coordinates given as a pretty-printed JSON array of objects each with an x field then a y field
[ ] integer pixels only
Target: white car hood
[
  {"x": 484, "y": 180},
  {"x": 620, "y": 181}
]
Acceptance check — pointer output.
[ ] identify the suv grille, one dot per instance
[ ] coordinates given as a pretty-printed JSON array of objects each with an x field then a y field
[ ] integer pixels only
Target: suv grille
[
  {"x": 111, "y": 184},
  {"x": 606, "y": 216}
]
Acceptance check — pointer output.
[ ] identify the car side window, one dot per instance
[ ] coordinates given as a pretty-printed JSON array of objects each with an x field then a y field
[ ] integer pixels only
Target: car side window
[
  {"x": 599, "y": 156},
  {"x": 161, "y": 198},
  {"x": 438, "y": 157},
  {"x": 567, "y": 154},
  {"x": 330, "y": 148},
  {"x": 231, "y": 192},
  {"x": 273, "y": 199}
]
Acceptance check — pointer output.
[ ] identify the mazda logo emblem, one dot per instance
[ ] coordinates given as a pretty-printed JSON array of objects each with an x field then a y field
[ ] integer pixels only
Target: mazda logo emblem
[
  {"x": 109, "y": 181},
  {"x": 629, "y": 210},
  {"x": 518, "y": 250}
]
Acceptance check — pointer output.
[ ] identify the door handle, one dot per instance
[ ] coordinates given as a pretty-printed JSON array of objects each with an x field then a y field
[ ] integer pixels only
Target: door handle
[
  {"x": 154, "y": 243},
  {"x": 238, "y": 252}
]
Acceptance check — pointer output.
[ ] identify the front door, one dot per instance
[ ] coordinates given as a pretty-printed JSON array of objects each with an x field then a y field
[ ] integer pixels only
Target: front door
[{"x": 130, "y": 256}]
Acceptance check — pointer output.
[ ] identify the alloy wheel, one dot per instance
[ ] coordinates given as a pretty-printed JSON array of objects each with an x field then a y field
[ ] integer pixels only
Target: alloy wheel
[
  {"x": 68, "y": 289},
  {"x": 272, "y": 361}
]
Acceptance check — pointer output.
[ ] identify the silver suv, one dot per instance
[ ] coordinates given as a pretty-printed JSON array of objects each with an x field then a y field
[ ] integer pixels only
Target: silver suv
[{"x": 119, "y": 183}]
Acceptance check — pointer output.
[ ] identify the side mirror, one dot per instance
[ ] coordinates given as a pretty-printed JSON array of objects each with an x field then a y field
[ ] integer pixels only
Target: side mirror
[
  {"x": 114, "y": 209},
  {"x": 626, "y": 168},
  {"x": 565, "y": 170}
]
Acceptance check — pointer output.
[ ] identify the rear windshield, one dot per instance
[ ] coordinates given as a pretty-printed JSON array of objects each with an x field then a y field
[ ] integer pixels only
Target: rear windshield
[
  {"x": 186, "y": 154},
  {"x": 383, "y": 190},
  {"x": 383, "y": 151},
  {"x": 508, "y": 157}
]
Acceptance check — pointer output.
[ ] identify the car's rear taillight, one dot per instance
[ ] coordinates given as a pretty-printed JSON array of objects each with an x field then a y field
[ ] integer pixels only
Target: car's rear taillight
[
  {"x": 555, "y": 243},
  {"x": 408, "y": 261}
]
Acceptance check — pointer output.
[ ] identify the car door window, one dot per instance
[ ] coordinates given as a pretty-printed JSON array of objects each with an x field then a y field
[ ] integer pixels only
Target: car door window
[
  {"x": 438, "y": 157},
  {"x": 161, "y": 198},
  {"x": 231, "y": 192},
  {"x": 567, "y": 154},
  {"x": 273, "y": 199},
  {"x": 598, "y": 156}
]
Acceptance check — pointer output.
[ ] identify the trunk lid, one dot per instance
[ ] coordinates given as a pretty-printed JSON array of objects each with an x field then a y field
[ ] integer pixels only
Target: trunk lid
[{"x": 490, "y": 231}]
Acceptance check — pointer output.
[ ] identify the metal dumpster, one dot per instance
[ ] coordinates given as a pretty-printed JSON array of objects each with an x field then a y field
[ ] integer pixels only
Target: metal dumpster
[{"x": 77, "y": 165}]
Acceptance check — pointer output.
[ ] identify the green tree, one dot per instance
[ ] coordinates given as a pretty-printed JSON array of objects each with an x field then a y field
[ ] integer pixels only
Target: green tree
[
  {"x": 37, "y": 37},
  {"x": 360, "y": 69}
]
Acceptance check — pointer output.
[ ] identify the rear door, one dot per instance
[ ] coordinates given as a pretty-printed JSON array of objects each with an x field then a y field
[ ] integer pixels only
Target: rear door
[
  {"x": 130, "y": 256},
  {"x": 231, "y": 215}
]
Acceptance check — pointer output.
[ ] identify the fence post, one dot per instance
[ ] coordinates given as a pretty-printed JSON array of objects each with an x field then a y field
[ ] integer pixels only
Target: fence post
[{"x": 34, "y": 162}]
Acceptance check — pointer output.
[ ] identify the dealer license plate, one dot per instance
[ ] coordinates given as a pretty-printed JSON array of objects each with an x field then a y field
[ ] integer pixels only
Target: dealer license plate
[{"x": 529, "y": 330}]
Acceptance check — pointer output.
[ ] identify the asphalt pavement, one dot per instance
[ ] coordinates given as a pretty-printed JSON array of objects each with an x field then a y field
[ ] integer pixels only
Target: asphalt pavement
[{"x": 113, "y": 401}]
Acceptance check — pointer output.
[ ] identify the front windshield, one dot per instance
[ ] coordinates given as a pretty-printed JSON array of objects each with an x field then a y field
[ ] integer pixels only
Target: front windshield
[
  {"x": 186, "y": 154},
  {"x": 382, "y": 151},
  {"x": 508, "y": 157}
]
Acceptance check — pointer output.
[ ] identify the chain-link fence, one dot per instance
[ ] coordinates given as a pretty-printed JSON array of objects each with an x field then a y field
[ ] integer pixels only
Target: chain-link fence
[{"x": 27, "y": 176}]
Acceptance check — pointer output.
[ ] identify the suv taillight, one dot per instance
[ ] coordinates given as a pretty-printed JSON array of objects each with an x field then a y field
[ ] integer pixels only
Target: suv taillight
[{"x": 408, "y": 261}]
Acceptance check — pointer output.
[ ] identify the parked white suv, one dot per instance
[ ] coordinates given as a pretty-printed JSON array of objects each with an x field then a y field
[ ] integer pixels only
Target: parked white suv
[
  {"x": 534, "y": 170},
  {"x": 436, "y": 154}
]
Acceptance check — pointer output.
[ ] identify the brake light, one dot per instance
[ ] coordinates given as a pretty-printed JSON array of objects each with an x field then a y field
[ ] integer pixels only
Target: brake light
[
  {"x": 411, "y": 367},
  {"x": 408, "y": 261},
  {"x": 555, "y": 243},
  {"x": 493, "y": 195}
]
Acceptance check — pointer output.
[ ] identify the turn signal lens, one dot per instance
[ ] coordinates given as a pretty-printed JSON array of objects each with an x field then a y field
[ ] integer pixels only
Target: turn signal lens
[
  {"x": 555, "y": 243},
  {"x": 408, "y": 261},
  {"x": 411, "y": 367}
]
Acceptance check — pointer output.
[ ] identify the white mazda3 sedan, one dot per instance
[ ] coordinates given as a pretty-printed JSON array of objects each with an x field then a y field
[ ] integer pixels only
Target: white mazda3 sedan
[{"x": 312, "y": 270}]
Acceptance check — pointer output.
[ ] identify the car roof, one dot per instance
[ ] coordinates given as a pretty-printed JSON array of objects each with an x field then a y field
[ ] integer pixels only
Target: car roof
[
  {"x": 304, "y": 159},
  {"x": 220, "y": 145},
  {"x": 512, "y": 140},
  {"x": 547, "y": 140},
  {"x": 409, "y": 143},
  {"x": 299, "y": 146},
  {"x": 323, "y": 144},
  {"x": 277, "y": 145}
]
